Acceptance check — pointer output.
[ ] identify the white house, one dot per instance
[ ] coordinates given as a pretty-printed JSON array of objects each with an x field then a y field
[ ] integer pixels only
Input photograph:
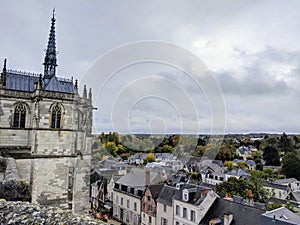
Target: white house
[
  {"x": 192, "y": 205},
  {"x": 293, "y": 183},
  {"x": 165, "y": 205}
]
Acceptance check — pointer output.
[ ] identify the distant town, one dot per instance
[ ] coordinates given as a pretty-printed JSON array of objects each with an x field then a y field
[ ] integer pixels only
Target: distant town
[{"x": 253, "y": 179}]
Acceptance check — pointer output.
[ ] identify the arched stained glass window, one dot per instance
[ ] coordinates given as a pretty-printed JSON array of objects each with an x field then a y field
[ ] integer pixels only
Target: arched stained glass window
[
  {"x": 56, "y": 116},
  {"x": 19, "y": 116}
]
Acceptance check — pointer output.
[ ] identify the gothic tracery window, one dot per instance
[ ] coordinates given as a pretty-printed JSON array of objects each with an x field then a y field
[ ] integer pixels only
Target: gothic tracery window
[
  {"x": 56, "y": 117},
  {"x": 19, "y": 116}
]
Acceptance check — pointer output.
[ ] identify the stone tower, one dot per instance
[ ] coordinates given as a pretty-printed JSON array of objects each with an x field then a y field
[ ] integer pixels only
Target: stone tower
[{"x": 46, "y": 126}]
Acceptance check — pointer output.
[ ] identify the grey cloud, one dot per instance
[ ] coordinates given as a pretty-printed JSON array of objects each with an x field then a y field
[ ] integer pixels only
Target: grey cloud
[
  {"x": 262, "y": 35},
  {"x": 252, "y": 85}
]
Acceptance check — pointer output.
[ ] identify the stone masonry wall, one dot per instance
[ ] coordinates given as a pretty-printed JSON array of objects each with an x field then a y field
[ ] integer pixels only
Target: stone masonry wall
[
  {"x": 24, "y": 167},
  {"x": 82, "y": 184},
  {"x": 50, "y": 179},
  {"x": 59, "y": 164}
]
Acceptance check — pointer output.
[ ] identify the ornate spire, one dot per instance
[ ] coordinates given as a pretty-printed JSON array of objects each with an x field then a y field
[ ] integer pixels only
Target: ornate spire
[
  {"x": 3, "y": 74},
  {"x": 90, "y": 94},
  {"x": 84, "y": 95},
  {"x": 76, "y": 87},
  {"x": 50, "y": 57}
]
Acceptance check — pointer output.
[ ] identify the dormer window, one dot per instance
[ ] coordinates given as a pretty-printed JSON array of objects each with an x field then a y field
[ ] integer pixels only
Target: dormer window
[{"x": 185, "y": 195}]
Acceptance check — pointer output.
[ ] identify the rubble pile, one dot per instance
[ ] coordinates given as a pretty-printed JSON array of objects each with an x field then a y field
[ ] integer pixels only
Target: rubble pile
[{"x": 27, "y": 213}]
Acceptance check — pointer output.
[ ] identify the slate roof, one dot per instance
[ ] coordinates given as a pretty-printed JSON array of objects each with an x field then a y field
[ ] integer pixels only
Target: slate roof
[
  {"x": 23, "y": 81},
  {"x": 178, "y": 178},
  {"x": 136, "y": 178},
  {"x": 270, "y": 221},
  {"x": 107, "y": 174},
  {"x": 240, "y": 200},
  {"x": 275, "y": 185},
  {"x": 59, "y": 85},
  {"x": 238, "y": 172},
  {"x": 167, "y": 194},
  {"x": 168, "y": 171},
  {"x": 295, "y": 195},
  {"x": 155, "y": 190},
  {"x": 286, "y": 181},
  {"x": 20, "y": 81},
  {"x": 193, "y": 160},
  {"x": 197, "y": 194},
  {"x": 111, "y": 164},
  {"x": 242, "y": 214},
  {"x": 281, "y": 214},
  {"x": 251, "y": 162}
]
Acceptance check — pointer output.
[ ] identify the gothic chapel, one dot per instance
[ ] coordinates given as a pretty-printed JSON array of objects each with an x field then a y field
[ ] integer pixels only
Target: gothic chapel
[{"x": 45, "y": 125}]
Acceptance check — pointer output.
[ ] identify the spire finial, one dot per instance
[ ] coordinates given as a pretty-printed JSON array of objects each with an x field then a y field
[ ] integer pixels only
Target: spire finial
[
  {"x": 50, "y": 57},
  {"x": 3, "y": 74},
  {"x": 76, "y": 87},
  {"x": 90, "y": 94},
  {"x": 53, "y": 15},
  {"x": 84, "y": 95},
  {"x": 4, "y": 65}
]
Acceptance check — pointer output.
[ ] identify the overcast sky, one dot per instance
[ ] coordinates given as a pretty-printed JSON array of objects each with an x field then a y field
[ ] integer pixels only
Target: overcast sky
[{"x": 251, "y": 48}]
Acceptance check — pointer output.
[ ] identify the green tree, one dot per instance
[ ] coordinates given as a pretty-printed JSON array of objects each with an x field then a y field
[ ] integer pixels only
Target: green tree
[
  {"x": 291, "y": 165},
  {"x": 257, "y": 179},
  {"x": 149, "y": 158},
  {"x": 174, "y": 140},
  {"x": 226, "y": 153},
  {"x": 285, "y": 143},
  {"x": 111, "y": 148},
  {"x": 165, "y": 149},
  {"x": 229, "y": 164},
  {"x": 269, "y": 172},
  {"x": 271, "y": 156},
  {"x": 259, "y": 166},
  {"x": 242, "y": 188},
  {"x": 270, "y": 141},
  {"x": 242, "y": 165},
  {"x": 102, "y": 137},
  {"x": 199, "y": 151}
]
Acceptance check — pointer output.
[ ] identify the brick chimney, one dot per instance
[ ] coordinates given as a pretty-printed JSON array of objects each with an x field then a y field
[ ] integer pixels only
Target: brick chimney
[
  {"x": 147, "y": 177},
  {"x": 128, "y": 168}
]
